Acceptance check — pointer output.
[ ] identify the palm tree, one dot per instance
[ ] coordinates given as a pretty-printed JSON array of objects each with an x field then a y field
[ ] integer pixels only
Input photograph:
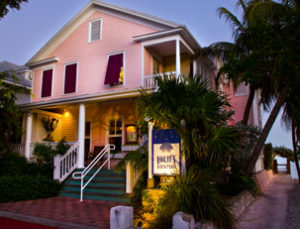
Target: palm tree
[
  {"x": 282, "y": 19},
  {"x": 291, "y": 117},
  {"x": 198, "y": 114}
]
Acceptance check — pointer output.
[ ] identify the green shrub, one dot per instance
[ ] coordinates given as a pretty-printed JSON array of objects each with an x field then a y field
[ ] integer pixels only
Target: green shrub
[
  {"x": 61, "y": 147},
  {"x": 15, "y": 188},
  {"x": 43, "y": 153},
  {"x": 12, "y": 164},
  {"x": 268, "y": 156},
  {"x": 194, "y": 194}
]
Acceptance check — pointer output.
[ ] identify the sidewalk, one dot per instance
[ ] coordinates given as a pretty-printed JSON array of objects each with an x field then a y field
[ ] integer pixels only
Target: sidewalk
[
  {"x": 60, "y": 212},
  {"x": 270, "y": 209}
]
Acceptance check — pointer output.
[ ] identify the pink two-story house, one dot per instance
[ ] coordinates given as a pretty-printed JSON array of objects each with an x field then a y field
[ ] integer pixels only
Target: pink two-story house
[{"x": 88, "y": 76}]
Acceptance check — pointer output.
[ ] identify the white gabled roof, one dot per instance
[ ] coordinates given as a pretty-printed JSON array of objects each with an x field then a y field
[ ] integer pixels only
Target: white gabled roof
[{"x": 82, "y": 15}]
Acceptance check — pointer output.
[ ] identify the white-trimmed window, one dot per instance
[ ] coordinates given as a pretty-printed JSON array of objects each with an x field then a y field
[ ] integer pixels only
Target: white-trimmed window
[
  {"x": 115, "y": 69},
  {"x": 47, "y": 80},
  {"x": 70, "y": 82},
  {"x": 115, "y": 133},
  {"x": 95, "y": 30}
]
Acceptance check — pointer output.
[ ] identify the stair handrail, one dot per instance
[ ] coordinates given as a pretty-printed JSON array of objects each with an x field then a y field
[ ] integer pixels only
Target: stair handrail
[
  {"x": 82, "y": 174},
  {"x": 66, "y": 164}
]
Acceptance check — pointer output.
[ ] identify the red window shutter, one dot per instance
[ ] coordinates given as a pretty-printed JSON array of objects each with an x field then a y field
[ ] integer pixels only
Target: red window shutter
[
  {"x": 115, "y": 63},
  {"x": 70, "y": 78},
  {"x": 47, "y": 83}
]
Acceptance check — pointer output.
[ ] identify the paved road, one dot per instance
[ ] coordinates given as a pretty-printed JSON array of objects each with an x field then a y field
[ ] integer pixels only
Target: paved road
[{"x": 277, "y": 208}]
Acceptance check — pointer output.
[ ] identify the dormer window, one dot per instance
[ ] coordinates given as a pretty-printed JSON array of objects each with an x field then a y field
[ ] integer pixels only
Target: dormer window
[{"x": 95, "y": 28}]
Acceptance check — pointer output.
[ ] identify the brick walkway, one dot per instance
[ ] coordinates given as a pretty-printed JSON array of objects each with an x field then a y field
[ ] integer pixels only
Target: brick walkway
[
  {"x": 270, "y": 209},
  {"x": 60, "y": 212}
]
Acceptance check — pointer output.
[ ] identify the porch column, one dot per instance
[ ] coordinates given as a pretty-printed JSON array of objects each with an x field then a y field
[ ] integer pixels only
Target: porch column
[
  {"x": 150, "y": 182},
  {"x": 194, "y": 68},
  {"x": 81, "y": 130},
  {"x": 178, "y": 70},
  {"x": 28, "y": 135}
]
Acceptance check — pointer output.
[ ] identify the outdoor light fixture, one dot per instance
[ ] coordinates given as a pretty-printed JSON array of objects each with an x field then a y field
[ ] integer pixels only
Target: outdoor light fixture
[{"x": 67, "y": 114}]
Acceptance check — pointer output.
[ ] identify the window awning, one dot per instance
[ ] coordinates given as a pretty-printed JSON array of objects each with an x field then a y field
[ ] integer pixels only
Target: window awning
[{"x": 114, "y": 66}]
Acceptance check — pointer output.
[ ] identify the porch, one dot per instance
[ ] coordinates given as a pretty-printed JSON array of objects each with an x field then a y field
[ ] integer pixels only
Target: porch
[{"x": 88, "y": 128}]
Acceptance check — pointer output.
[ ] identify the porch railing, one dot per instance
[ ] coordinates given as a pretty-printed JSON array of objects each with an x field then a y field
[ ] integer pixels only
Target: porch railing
[
  {"x": 149, "y": 80},
  {"x": 16, "y": 148},
  {"x": 52, "y": 144},
  {"x": 66, "y": 164},
  {"x": 81, "y": 175}
]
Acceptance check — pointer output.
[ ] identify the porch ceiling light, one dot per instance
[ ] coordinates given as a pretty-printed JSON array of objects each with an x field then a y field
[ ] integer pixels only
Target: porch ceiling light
[{"x": 66, "y": 114}]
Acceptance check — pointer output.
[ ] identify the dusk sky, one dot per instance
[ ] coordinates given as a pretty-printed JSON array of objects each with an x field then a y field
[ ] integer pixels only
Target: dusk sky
[{"x": 24, "y": 32}]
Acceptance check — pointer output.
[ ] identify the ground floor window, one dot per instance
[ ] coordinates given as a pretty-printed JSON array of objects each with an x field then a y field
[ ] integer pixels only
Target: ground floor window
[{"x": 115, "y": 133}]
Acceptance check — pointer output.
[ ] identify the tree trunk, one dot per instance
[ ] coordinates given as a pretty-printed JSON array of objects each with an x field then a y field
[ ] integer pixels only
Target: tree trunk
[
  {"x": 265, "y": 132},
  {"x": 248, "y": 106},
  {"x": 295, "y": 147}
]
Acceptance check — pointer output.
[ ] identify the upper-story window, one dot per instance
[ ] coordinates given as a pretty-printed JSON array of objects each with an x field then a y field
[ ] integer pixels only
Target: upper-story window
[
  {"x": 47, "y": 83},
  {"x": 70, "y": 78},
  {"x": 115, "y": 69},
  {"x": 95, "y": 29}
]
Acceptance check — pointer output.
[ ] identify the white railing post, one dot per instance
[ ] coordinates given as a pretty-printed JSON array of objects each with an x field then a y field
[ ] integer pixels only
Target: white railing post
[
  {"x": 81, "y": 188},
  {"x": 56, "y": 173}
]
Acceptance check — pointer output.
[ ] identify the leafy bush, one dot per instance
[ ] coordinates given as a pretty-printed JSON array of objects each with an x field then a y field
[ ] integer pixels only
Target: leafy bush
[
  {"x": 268, "y": 156},
  {"x": 194, "y": 194},
  {"x": 284, "y": 152},
  {"x": 15, "y": 188},
  {"x": 139, "y": 159},
  {"x": 43, "y": 153},
  {"x": 13, "y": 164},
  {"x": 61, "y": 147}
]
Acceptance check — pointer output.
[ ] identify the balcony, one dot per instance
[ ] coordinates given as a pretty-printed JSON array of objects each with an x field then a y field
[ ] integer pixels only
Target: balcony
[{"x": 149, "y": 80}]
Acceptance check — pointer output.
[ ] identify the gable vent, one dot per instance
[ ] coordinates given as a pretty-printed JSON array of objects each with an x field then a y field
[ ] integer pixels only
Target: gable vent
[{"x": 95, "y": 30}]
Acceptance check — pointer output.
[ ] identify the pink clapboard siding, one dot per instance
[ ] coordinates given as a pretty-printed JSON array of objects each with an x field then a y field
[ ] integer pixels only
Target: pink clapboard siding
[
  {"x": 238, "y": 104},
  {"x": 117, "y": 36}
]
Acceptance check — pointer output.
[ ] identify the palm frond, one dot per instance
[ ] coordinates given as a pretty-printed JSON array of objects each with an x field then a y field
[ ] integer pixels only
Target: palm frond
[{"x": 236, "y": 25}]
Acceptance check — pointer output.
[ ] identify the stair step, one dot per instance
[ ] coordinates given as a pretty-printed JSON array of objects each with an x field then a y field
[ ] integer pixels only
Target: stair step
[
  {"x": 104, "y": 198},
  {"x": 96, "y": 190},
  {"x": 104, "y": 171},
  {"x": 96, "y": 197},
  {"x": 106, "y": 185}
]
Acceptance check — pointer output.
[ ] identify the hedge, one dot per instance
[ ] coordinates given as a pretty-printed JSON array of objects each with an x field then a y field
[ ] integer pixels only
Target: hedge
[
  {"x": 268, "y": 156},
  {"x": 15, "y": 188},
  {"x": 13, "y": 164}
]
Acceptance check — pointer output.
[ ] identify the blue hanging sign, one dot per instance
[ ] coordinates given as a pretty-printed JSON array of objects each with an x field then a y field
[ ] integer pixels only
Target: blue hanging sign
[{"x": 166, "y": 158}]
